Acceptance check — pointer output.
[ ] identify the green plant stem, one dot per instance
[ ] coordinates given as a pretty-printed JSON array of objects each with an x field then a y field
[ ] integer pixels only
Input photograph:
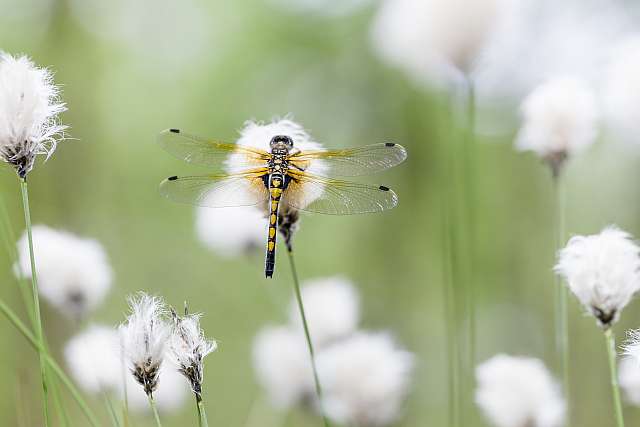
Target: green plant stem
[
  {"x": 36, "y": 301},
  {"x": 9, "y": 240},
  {"x": 22, "y": 328},
  {"x": 296, "y": 287},
  {"x": 202, "y": 414},
  {"x": 450, "y": 318},
  {"x": 111, "y": 410},
  {"x": 154, "y": 409},
  {"x": 469, "y": 214},
  {"x": 561, "y": 297},
  {"x": 611, "y": 352}
]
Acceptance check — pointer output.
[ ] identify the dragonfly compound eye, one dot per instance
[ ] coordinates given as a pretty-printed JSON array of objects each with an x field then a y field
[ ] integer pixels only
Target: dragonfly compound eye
[{"x": 281, "y": 140}]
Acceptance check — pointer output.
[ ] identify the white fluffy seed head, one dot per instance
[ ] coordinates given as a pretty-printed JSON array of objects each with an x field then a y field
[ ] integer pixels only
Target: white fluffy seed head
[
  {"x": 187, "y": 349},
  {"x": 621, "y": 91},
  {"x": 602, "y": 271},
  {"x": 93, "y": 358},
  {"x": 365, "y": 379},
  {"x": 282, "y": 366},
  {"x": 332, "y": 309},
  {"x": 143, "y": 338},
  {"x": 518, "y": 392},
  {"x": 629, "y": 373},
  {"x": 231, "y": 232},
  {"x": 259, "y": 135},
  {"x": 29, "y": 109},
  {"x": 74, "y": 274},
  {"x": 433, "y": 40},
  {"x": 559, "y": 118}
]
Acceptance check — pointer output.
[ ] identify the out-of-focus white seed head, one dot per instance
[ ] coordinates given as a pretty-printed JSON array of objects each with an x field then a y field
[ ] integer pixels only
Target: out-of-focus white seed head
[
  {"x": 629, "y": 372},
  {"x": 365, "y": 379},
  {"x": 259, "y": 135},
  {"x": 187, "y": 349},
  {"x": 332, "y": 308},
  {"x": 282, "y": 365},
  {"x": 231, "y": 232},
  {"x": 29, "y": 109},
  {"x": 602, "y": 271},
  {"x": 621, "y": 91},
  {"x": 170, "y": 395},
  {"x": 433, "y": 40},
  {"x": 518, "y": 392},
  {"x": 559, "y": 119},
  {"x": 74, "y": 274},
  {"x": 143, "y": 338},
  {"x": 93, "y": 358}
]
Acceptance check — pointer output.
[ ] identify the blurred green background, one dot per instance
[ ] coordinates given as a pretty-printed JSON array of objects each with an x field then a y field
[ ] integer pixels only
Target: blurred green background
[{"x": 129, "y": 70}]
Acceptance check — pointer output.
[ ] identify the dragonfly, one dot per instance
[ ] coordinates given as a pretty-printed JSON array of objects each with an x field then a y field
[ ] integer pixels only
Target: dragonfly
[{"x": 283, "y": 175}]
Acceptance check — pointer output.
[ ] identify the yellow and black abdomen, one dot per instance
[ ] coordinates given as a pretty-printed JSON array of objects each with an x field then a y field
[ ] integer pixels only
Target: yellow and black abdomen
[{"x": 276, "y": 187}]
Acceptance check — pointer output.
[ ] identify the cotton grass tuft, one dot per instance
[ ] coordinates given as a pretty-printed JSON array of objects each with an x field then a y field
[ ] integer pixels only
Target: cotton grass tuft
[
  {"x": 559, "y": 119},
  {"x": 74, "y": 273},
  {"x": 29, "y": 109},
  {"x": 365, "y": 379},
  {"x": 602, "y": 271},
  {"x": 518, "y": 392}
]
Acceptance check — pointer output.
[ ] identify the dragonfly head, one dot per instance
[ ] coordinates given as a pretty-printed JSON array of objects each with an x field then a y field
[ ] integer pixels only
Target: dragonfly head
[{"x": 281, "y": 142}]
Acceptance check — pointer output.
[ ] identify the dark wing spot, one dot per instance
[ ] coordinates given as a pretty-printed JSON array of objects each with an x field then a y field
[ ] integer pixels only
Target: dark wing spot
[
  {"x": 389, "y": 144},
  {"x": 174, "y": 130},
  {"x": 383, "y": 188},
  {"x": 172, "y": 178}
]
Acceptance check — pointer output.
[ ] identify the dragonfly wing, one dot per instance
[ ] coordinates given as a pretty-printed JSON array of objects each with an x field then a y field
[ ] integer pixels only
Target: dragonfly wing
[
  {"x": 213, "y": 154},
  {"x": 350, "y": 161},
  {"x": 217, "y": 191},
  {"x": 337, "y": 197}
]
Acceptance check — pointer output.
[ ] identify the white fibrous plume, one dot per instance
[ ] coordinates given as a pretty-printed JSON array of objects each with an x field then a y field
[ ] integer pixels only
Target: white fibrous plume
[
  {"x": 536, "y": 40},
  {"x": 233, "y": 231},
  {"x": 74, "y": 274},
  {"x": 629, "y": 370},
  {"x": 94, "y": 359},
  {"x": 187, "y": 349},
  {"x": 518, "y": 392},
  {"x": 433, "y": 41},
  {"x": 259, "y": 135},
  {"x": 621, "y": 91},
  {"x": 29, "y": 109},
  {"x": 170, "y": 394},
  {"x": 143, "y": 338},
  {"x": 332, "y": 309},
  {"x": 365, "y": 379},
  {"x": 602, "y": 271},
  {"x": 559, "y": 119},
  {"x": 282, "y": 365}
]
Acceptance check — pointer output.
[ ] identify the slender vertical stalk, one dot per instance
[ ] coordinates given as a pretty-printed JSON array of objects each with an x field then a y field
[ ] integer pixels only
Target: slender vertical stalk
[
  {"x": 22, "y": 328},
  {"x": 469, "y": 243},
  {"x": 202, "y": 415},
  {"x": 613, "y": 371},
  {"x": 316, "y": 379},
  {"x": 111, "y": 410},
  {"x": 561, "y": 296},
  {"x": 36, "y": 300},
  {"x": 154, "y": 409},
  {"x": 450, "y": 319}
]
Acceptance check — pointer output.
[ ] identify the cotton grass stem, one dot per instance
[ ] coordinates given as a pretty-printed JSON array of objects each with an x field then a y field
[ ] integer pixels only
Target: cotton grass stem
[
  {"x": 154, "y": 409},
  {"x": 202, "y": 415},
  {"x": 316, "y": 379},
  {"x": 36, "y": 300},
  {"x": 561, "y": 297},
  {"x": 613, "y": 371},
  {"x": 22, "y": 328}
]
